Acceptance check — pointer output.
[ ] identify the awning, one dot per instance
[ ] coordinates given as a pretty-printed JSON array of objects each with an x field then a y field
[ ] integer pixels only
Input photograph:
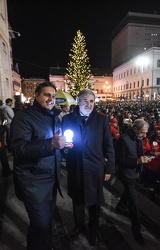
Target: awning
[{"x": 63, "y": 98}]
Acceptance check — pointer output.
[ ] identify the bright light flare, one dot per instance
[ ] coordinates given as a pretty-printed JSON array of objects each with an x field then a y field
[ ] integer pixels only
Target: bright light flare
[{"x": 69, "y": 135}]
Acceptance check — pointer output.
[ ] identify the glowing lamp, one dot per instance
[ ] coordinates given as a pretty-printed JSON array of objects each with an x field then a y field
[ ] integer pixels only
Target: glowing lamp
[{"x": 69, "y": 135}]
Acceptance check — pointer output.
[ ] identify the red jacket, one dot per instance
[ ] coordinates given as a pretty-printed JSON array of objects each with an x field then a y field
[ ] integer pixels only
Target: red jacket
[
  {"x": 146, "y": 145},
  {"x": 114, "y": 131},
  {"x": 154, "y": 164}
]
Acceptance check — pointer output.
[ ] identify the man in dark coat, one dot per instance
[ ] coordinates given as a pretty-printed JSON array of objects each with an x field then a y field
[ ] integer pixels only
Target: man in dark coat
[
  {"x": 36, "y": 142},
  {"x": 89, "y": 162},
  {"x": 3, "y": 154},
  {"x": 130, "y": 160}
]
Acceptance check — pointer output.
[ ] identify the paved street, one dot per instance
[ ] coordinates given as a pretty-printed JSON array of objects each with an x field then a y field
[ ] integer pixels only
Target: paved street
[{"x": 115, "y": 230}]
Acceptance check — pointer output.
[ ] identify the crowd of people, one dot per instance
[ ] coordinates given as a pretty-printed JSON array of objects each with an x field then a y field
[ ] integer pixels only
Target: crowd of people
[
  {"x": 122, "y": 116},
  {"x": 121, "y": 139}
]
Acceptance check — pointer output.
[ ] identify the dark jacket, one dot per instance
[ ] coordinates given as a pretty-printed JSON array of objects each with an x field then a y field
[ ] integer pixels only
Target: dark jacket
[
  {"x": 128, "y": 150},
  {"x": 91, "y": 157},
  {"x": 2, "y": 130},
  {"x": 36, "y": 165}
]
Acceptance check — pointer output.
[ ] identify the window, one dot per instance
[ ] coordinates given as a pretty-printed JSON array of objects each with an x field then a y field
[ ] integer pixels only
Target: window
[
  {"x": 147, "y": 81},
  {"x": 4, "y": 48},
  {"x": 134, "y": 85},
  {"x": 127, "y": 86},
  {"x": 158, "y": 81},
  {"x": 138, "y": 84},
  {"x": 158, "y": 63}
]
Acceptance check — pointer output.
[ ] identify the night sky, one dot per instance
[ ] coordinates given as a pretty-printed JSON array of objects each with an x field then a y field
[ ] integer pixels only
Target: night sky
[{"x": 48, "y": 28}]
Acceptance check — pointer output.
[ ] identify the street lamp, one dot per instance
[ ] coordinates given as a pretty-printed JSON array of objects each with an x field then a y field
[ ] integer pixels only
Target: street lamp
[{"x": 13, "y": 31}]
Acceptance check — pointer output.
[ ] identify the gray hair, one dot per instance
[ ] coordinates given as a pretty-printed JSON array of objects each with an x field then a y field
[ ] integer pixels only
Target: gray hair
[
  {"x": 84, "y": 92},
  {"x": 140, "y": 123}
]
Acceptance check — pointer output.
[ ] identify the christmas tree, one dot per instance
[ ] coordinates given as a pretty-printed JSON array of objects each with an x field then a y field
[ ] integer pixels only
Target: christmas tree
[{"x": 78, "y": 70}]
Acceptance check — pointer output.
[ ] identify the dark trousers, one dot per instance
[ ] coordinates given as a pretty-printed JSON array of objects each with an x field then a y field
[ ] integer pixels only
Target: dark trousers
[
  {"x": 79, "y": 214},
  {"x": 39, "y": 236},
  {"x": 4, "y": 159},
  {"x": 129, "y": 199},
  {"x": 152, "y": 177},
  {"x": 8, "y": 138}
]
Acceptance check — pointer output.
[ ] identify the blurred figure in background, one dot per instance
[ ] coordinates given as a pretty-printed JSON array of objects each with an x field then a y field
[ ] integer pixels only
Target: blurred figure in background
[
  {"x": 114, "y": 130},
  {"x": 8, "y": 114},
  {"x": 57, "y": 109},
  {"x": 3, "y": 154},
  {"x": 65, "y": 110},
  {"x": 31, "y": 101},
  {"x": 153, "y": 167}
]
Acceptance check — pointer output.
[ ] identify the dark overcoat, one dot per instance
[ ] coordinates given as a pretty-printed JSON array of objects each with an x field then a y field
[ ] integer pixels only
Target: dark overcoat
[
  {"x": 36, "y": 165},
  {"x": 128, "y": 149},
  {"x": 91, "y": 157}
]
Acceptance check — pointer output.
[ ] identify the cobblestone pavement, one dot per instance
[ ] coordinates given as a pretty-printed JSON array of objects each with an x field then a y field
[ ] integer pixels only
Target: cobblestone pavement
[{"x": 115, "y": 230}]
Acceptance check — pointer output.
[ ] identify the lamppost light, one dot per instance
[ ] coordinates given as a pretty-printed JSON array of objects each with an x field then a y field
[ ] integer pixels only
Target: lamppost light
[{"x": 13, "y": 31}]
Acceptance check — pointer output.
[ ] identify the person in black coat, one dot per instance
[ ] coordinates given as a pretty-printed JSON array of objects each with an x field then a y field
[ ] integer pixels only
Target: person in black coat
[
  {"x": 36, "y": 144},
  {"x": 130, "y": 160},
  {"x": 89, "y": 162},
  {"x": 3, "y": 154}
]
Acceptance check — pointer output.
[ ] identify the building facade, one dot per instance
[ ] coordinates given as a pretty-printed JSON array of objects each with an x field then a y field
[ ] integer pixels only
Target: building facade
[
  {"x": 101, "y": 81},
  {"x": 136, "y": 33},
  {"x": 6, "y": 87},
  {"x": 10, "y": 80},
  {"x": 139, "y": 78},
  {"x": 28, "y": 88}
]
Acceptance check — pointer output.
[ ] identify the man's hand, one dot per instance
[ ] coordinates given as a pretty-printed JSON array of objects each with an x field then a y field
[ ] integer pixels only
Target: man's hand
[
  {"x": 143, "y": 159},
  {"x": 107, "y": 177},
  {"x": 58, "y": 141}
]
